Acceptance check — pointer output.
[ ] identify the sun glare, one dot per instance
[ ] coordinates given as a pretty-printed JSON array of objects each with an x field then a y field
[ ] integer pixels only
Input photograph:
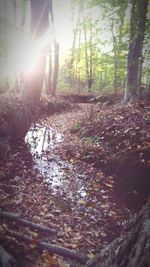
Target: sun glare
[
  {"x": 24, "y": 53},
  {"x": 29, "y": 58},
  {"x": 31, "y": 53}
]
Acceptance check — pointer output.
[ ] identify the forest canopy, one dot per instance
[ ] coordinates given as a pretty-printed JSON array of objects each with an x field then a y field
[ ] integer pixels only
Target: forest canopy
[{"x": 88, "y": 45}]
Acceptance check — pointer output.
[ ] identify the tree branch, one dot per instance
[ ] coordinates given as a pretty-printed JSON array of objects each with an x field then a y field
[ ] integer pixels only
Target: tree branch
[
  {"x": 65, "y": 252},
  {"x": 16, "y": 217}
]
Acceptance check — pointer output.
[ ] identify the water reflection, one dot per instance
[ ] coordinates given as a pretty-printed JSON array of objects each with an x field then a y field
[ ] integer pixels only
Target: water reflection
[
  {"x": 40, "y": 138},
  {"x": 59, "y": 174},
  {"x": 73, "y": 188}
]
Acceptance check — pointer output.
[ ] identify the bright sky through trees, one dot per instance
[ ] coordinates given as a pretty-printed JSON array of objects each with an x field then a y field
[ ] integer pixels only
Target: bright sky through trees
[
  {"x": 63, "y": 22},
  {"x": 16, "y": 59},
  {"x": 20, "y": 58}
]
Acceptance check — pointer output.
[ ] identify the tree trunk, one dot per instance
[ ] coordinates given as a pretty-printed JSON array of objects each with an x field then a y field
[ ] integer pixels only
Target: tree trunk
[
  {"x": 56, "y": 68},
  {"x": 90, "y": 81},
  {"x": 33, "y": 82},
  {"x": 122, "y": 12},
  {"x": 72, "y": 70},
  {"x": 53, "y": 68},
  {"x": 78, "y": 63},
  {"x": 131, "y": 249},
  {"x": 137, "y": 29},
  {"x": 115, "y": 57},
  {"x": 86, "y": 57},
  {"x": 49, "y": 80},
  {"x": 86, "y": 49},
  {"x": 75, "y": 52}
]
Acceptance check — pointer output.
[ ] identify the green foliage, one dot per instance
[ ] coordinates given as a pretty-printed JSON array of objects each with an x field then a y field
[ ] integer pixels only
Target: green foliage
[{"x": 106, "y": 43}]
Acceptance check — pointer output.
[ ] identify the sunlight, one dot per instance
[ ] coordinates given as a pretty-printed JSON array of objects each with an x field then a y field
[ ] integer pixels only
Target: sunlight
[
  {"x": 31, "y": 51},
  {"x": 26, "y": 57},
  {"x": 30, "y": 57}
]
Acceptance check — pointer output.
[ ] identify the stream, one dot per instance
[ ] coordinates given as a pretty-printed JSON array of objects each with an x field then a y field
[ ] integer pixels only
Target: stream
[
  {"x": 69, "y": 195},
  {"x": 79, "y": 191},
  {"x": 42, "y": 142},
  {"x": 45, "y": 185}
]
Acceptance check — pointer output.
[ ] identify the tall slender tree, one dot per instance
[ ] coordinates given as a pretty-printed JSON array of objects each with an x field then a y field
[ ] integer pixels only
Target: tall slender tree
[
  {"x": 53, "y": 58},
  {"x": 137, "y": 31},
  {"x": 39, "y": 25},
  {"x": 86, "y": 48}
]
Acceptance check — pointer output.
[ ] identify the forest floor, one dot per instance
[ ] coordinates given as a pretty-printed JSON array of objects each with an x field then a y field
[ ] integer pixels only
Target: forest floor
[{"x": 82, "y": 172}]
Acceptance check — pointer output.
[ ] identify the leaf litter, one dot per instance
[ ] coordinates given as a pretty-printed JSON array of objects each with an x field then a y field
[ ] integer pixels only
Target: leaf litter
[{"x": 59, "y": 179}]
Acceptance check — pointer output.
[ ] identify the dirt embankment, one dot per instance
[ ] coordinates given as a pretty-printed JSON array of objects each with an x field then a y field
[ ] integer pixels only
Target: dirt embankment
[
  {"x": 111, "y": 137},
  {"x": 116, "y": 139},
  {"x": 16, "y": 116}
]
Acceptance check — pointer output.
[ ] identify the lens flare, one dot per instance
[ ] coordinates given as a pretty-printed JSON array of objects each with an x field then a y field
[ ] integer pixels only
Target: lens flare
[{"x": 24, "y": 54}]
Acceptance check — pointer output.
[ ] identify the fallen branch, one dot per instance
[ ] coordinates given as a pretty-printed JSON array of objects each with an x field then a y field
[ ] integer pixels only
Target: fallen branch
[
  {"x": 6, "y": 260},
  {"x": 16, "y": 217},
  {"x": 55, "y": 249}
]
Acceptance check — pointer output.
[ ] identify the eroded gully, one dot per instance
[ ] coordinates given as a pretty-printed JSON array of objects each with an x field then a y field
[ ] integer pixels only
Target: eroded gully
[{"x": 83, "y": 202}]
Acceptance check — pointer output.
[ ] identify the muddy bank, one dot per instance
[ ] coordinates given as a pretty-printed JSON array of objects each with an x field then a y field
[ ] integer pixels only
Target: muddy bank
[
  {"x": 116, "y": 140},
  {"x": 16, "y": 116}
]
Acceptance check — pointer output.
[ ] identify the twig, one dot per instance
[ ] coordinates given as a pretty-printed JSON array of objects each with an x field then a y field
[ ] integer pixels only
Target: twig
[
  {"x": 65, "y": 252},
  {"x": 16, "y": 217}
]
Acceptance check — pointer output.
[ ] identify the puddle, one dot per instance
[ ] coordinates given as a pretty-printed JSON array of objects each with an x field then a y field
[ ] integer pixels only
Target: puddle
[
  {"x": 74, "y": 188},
  {"x": 59, "y": 174},
  {"x": 39, "y": 138}
]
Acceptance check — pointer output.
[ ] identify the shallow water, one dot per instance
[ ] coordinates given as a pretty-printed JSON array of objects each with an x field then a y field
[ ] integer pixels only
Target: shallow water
[
  {"x": 59, "y": 174},
  {"x": 78, "y": 190},
  {"x": 71, "y": 181}
]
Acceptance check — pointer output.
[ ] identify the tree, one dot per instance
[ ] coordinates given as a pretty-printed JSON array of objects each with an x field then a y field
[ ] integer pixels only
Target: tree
[
  {"x": 137, "y": 32},
  {"x": 113, "y": 26},
  {"x": 117, "y": 19},
  {"x": 87, "y": 25},
  {"x": 146, "y": 59},
  {"x": 132, "y": 248},
  {"x": 56, "y": 68},
  {"x": 39, "y": 24},
  {"x": 75, "y": 57},
  {"x": 53, "y": 58}
]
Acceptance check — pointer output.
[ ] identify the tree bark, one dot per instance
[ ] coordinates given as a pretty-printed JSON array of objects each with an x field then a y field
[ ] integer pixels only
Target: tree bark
[
  {"x": 78, "y": 63},
  {"x": 49, "y": 80},
  {"x": 56, "y": 68},
  {"x": 33, "y": 82},
  {"x": 86, "y": 48},
  {"x": 115, "y": 57},
  {"x": 132, "y": 248},
  {"x": 90, "y": 81},
  {"x": 137, "y": 30},
  {"x": 53, "y": 68}
]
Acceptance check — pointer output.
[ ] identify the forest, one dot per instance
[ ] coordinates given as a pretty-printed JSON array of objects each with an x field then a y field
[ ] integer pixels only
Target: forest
[{"x": 74, "y": 133}]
